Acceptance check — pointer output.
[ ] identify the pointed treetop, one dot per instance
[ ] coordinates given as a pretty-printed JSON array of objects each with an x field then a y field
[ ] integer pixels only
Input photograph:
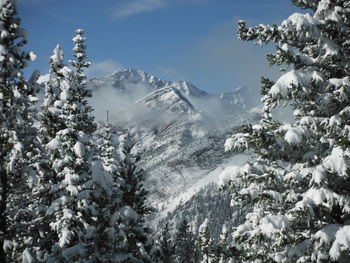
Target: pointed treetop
[
  {"x": 79, "y": 36},
  {"x": 127, "y": 141},
  {"x": 204, "y": 225},
  {"x": 79, "y": 52},
  {"x": 224, "y": 229},
  {"x": 57, "y": 58},
  {"x": 79, "y": 31}
]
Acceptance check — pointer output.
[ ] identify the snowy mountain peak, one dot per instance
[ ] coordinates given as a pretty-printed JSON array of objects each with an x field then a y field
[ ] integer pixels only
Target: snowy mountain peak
[
  {"x": 188, "y": 89},
  {"x": 168, "y": 99},
  {"x": 136, "y": 76},
  {"x": 128, "y": 81}
]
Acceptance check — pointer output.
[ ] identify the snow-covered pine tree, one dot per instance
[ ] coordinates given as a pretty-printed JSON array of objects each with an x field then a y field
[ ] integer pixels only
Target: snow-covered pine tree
[
  {"x": 79, "y": 65},
  {"x": 134, "y": 193},
  {"x": 224, "y": 250},
  {"x": 164, "y": 247},
  {"x": 17, "y": 134},
  {"x": 71, "y": 165},
  {"x": 80, "y": 62},
  {"x": 51, "y": 122},
  {"x": 108, "y": 244},
  {"x": 72, "y": 195},
  {"x": 135, "y": 208},
  {"x": 205, "y": 244},
  {"x": 107, "y": 149},
  {"x": 185, "y": 249},
  {"x": 21, "y": 202},
  {"x": 299, "y": 184}
]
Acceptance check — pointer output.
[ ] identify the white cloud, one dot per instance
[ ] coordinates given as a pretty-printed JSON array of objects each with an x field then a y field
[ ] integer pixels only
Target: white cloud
[
  {"x": 103, "y": 68},
  {"x": 134, "y": 7}
]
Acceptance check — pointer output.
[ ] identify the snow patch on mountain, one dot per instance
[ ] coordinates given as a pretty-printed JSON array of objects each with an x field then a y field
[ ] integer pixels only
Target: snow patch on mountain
[
  {"x": 205, "y": 179},
  {"x": 168, "y": 99},
  {"x": 188, "y": 89}
]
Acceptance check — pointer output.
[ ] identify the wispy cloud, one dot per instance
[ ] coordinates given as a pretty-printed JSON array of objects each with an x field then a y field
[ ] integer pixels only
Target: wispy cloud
[
  {"x": 103, "y": 68},
  {"x": 63, "y": 17},
  {"x": 134, "y": 7}
]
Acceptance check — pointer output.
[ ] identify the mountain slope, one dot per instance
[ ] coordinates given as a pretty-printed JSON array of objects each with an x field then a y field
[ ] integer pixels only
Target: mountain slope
[
  {"x": 168, "y": 99},
  {"x": 180, "y": 133},
  {"x": 179, "y": 129}
]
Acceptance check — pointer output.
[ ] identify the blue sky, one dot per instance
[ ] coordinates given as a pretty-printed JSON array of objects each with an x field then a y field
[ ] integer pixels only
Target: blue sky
[{"x": 171, "y": 39}]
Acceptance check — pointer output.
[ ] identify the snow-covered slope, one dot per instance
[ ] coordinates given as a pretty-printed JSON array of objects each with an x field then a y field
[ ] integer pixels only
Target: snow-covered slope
[
  {"x": 168, "y": 99},
  {"x": 180, "y": 131},
  {"x": 188, "y": 89}
]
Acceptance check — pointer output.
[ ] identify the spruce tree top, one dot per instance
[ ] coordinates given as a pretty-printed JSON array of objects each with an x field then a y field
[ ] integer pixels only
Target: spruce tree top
[{"x": 79, "y": 52}]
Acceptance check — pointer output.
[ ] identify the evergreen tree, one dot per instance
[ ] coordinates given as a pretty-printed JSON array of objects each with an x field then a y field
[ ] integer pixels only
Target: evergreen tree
[
  {"x": 299, "y": 182},
  {"x": 72, "y": 168},
  {"x": 135, "y": 208},
  {"x": 107, "y": 152},
  {"x": 80, "y": 62},
  {"x": 73, "y": 189},
  {"x": 108, "y": 244},
  {"x": 164, "y": 247},
  {"x": 79, "y": 65},
  {"x": 17, "y": 133},
  {"x": 185, "y": 249},
  {"x": 205, "y": 244},
  {"x": 224, "y": 250},
  {"x": 134, "y": 193},
  {"x": 51, "y": 123}
]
